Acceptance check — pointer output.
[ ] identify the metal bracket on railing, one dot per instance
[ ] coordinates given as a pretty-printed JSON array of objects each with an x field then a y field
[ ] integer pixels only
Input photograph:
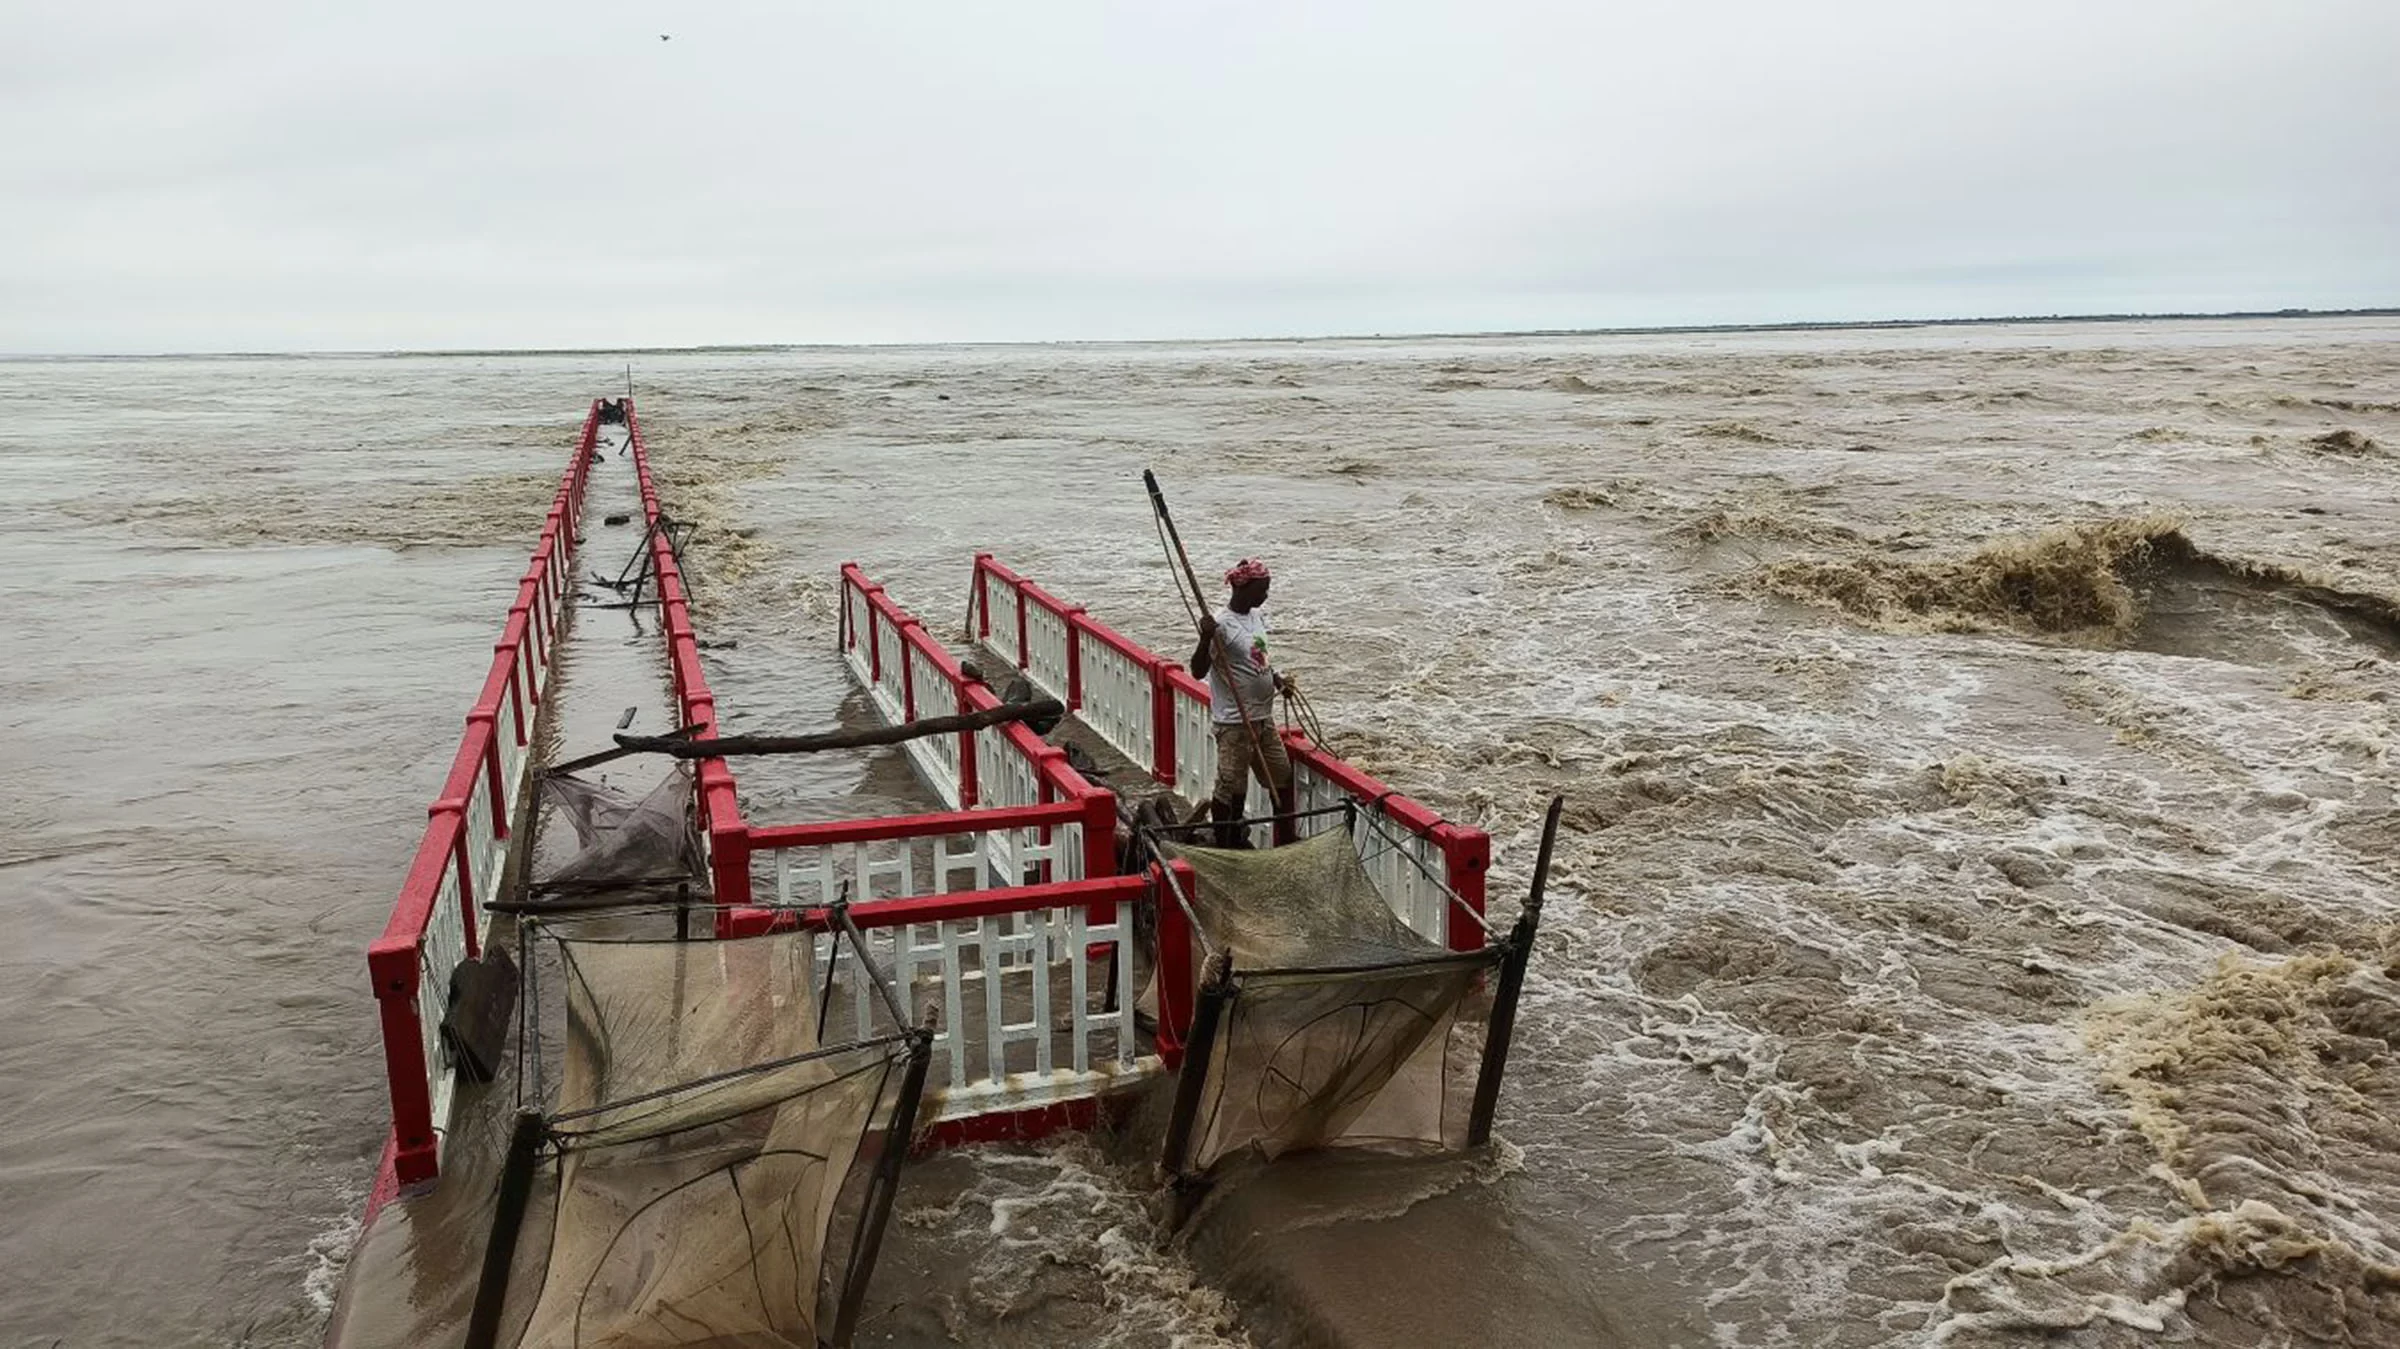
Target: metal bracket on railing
[{"x": 840, "y": 914}]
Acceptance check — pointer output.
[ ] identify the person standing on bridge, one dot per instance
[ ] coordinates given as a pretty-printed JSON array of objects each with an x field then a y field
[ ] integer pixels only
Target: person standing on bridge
[{"x": 1232, "y": 657}]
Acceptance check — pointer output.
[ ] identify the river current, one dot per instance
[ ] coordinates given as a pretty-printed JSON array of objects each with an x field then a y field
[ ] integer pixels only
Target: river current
[{"x": 1975, "y": 919}]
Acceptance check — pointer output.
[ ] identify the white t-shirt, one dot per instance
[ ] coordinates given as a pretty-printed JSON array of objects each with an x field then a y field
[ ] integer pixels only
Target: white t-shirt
[{"x": 1241, "y": 655}]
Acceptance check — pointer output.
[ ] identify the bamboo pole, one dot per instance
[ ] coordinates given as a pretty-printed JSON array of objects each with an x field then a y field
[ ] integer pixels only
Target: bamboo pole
[{"x": 732, "y": 746}]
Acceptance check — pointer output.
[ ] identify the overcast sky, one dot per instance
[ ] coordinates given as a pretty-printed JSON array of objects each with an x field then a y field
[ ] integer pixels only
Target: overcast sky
[{"x": 323, "y": 175}]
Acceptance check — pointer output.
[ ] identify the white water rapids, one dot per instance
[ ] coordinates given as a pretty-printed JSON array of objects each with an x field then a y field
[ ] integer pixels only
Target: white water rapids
[{"x": 1976, "y": 921}]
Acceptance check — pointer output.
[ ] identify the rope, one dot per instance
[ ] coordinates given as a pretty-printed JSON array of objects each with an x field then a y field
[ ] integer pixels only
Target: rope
[
  {"x": 1299, "y": 711},
  {"x": 1393, "y": 844},
  {"x": 1149, "y": 842}
]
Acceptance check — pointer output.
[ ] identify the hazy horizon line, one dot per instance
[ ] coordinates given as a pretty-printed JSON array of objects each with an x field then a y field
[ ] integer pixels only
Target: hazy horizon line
[{"x": 1638, "y": 330}]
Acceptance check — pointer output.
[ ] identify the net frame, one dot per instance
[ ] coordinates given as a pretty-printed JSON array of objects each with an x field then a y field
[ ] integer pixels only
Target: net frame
[
  {"x": 1148, "y": 837},
  {"x": 1194, "y": 1150},
  {"x": 863, "y": 1191}
]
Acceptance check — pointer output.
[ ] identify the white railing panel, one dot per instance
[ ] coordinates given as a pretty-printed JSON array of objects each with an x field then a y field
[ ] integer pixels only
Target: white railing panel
[
  {"x": 936, "y": 757},
  {"x": 512, "y": 764},
  {"x": 1066, "y": 853},
  {"x": 1195, "y": 748},
  {"x": 877, "y": 869},
  {"x": 1196, "y": 762},
  {"x": 890, "y": 876},
  {"x": 948, "y": 862},
  {"x": 1401, "y": 862},
  {"x": 1046, "y": 650},
  {"x": 1116, "y": 700},
  {"x": 443, "y": 947},
  {"x": 1387, "y": 855},
  {"x": 860, "y": 613},
  {"x": 890, "y": 655},
  {"x": 487, "y": 853},
  {"x": 996, "y": 983},
  {"x": 856, "y": 659}
]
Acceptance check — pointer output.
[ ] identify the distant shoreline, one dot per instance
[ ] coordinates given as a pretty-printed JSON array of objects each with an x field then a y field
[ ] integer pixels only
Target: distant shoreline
[{"x": 1657, "y": 330}]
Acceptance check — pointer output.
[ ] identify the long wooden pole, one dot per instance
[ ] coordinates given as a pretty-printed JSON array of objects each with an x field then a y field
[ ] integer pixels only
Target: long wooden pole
[
  {"x": 1503, "y": 1025},
  {"x": 732, "y": 746},
  {"x": 508, "y": 1219},
  {"x": 1158, "y": 503},
  {"x": 1216, "y": 986},
  {"x": 883, "y": 1185}
]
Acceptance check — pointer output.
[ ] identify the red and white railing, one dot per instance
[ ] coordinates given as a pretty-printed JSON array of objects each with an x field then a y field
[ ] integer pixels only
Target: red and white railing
[
  {"x": 977, "y": 909},
  {"x": 1019, "y": 813},
  {"x": 1023, "y": 821},
  {"x": 1418, "y": 858},
  {"x": 723, "y": 836},
  {"x": 1010, "y": 972},
  {"x": 463, "y": 856},
  {"x": 1011, "y": 976},
  {"x": 908, "y": 856},
  {"x": 911, "y": 676}
]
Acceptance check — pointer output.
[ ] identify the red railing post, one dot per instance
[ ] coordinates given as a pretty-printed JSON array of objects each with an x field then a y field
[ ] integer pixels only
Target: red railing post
[
  {"x": 489, "y": 719},
  {"x": 393, "y": 970},
  {"x": 843, "y": 637},
  {"x": 514, "y": 639},
  {"x": 969, "y": 785},
  {"x": 1074, "y": 659},
  {"x": 1468, "y": 855},
  {"x": 908, "y": 672},
  {"x": 1099, "y": 835},
  {"x": 1024, "y": 648},
  {"x": 1175, "y": 980},
  {"x": 729, "y": 868},
  {"x": 980, "y": 597},
  {"x": 1045, "y": 791},
  {"x": 1162, "y": 719},
  {"x": 455, "y": 808},
  {"x": 545, "y": 615},
  {"x": 1099, "y": 848}
]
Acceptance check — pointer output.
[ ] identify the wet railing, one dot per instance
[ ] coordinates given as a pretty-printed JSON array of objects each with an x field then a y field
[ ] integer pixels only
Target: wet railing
[
  {"x": 907, "y": 856},
  {"x": 724, "y": 839},
  {"x": 1030, "y": 990},
  {"x": 995, "y": 917},
  {"x": 1418, "y": 859},
  {"x": 1034, "y": 1055},
  {"x": 911, "y": 677},
  {"x": 463, "y": 856}
]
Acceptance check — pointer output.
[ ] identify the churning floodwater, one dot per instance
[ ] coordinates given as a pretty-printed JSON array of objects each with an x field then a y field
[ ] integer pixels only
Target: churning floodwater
[{"x": 1975, "y": 923}]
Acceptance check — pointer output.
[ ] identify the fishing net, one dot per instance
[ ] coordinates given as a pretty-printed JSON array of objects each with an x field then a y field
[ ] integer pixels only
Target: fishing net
[
  {"x": 716, "y": 1161},
  {"x": 1341, "y": 1021},
  {"x": 621, "y": 837}
]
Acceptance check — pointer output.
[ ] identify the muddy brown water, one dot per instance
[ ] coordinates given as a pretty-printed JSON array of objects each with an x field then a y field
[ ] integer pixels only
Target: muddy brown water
[{"x": 1976, "y": 923}]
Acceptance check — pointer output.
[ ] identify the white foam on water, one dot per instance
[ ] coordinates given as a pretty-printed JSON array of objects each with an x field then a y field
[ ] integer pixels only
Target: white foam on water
[
  {"x": 327, "y": 1257},
  {"x": 1061, "y": 1205},
  {"x": 1802, "y": 1034}
]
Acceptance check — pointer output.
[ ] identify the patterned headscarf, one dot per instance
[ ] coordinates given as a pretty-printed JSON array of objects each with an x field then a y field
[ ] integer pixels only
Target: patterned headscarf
[{"x": 1247, "y": 570}]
